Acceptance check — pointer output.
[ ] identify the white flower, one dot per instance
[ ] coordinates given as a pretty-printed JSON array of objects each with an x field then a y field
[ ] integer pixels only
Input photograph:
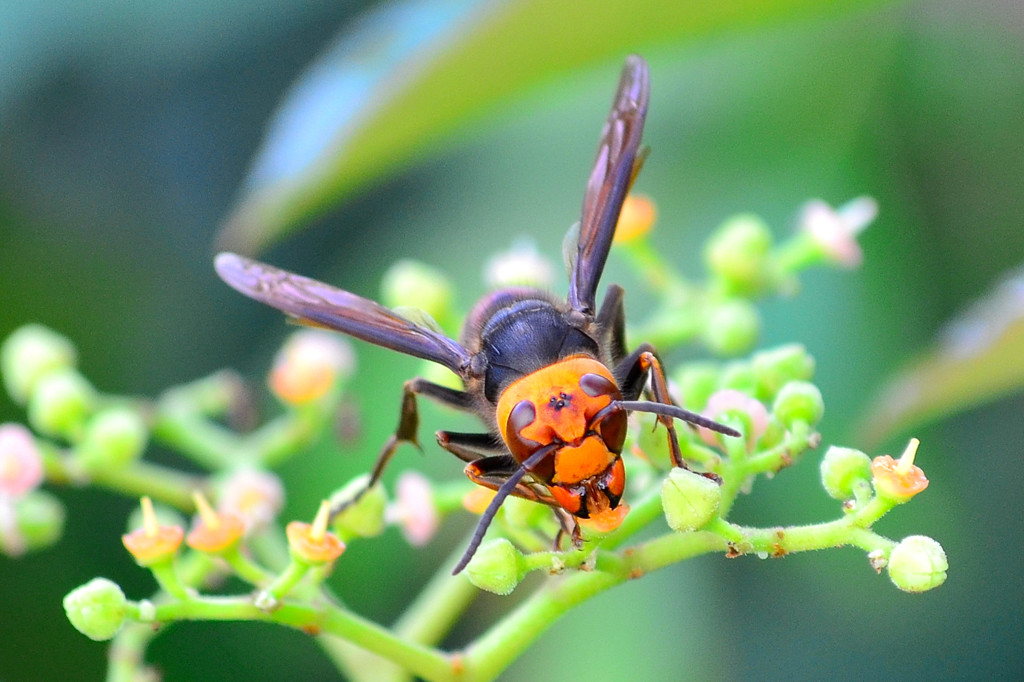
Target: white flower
[{"x": 836, "y": 230}]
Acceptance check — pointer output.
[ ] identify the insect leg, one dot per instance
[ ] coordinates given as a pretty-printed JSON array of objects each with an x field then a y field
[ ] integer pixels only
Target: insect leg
[
  {"x": 611, "y": 319},
  {"x": 510, "y": 485},
  {"x": 470, "y": 447},
  {"x": 408, "y": 424},
  {"x": 632, "y": 374}
]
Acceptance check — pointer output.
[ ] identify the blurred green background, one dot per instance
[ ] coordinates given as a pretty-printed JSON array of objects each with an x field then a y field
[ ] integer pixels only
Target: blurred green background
[{"x": 127, "y": 131}]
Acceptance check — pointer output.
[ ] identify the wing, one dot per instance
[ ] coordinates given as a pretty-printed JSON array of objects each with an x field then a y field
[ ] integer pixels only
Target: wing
[
  {"x": 322, "y": 305},
  {"x": 614, "y": 169}
]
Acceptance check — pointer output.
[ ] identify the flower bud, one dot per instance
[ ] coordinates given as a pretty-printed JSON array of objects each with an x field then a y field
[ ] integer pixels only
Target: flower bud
[
  {"x": 739, "y": 375},
  {"x": 60, "y": 402},
  {"x": 414, "y": 508},
  {"x": 898, "y": 480},
  {"x": 521, "y": 265},
  {"x": 253, "y": 495},
  {"x": 799, "y": 401},
  {"x": 114, "y": 438},
  {"x": 30, "y": 353},
  {"x": 309, "y": 364},
  {"x": 636, "y": 219},
  {"x": 363, "y": 518},
  {"x": 21, "y": 465},
  {"x": 411, "y": 284},
  {"x": 732, "y": 327},
  {"x": 697, "y": 381},
  {"x": 496, "y": 567},
  {"x": 153, "y": 543},
  {"x": 834, "y": 231},
  {"x": 736, "y": 254},
  {"x": 842, "y": 469},
  {"x": 917, "y": 564},
  {"x": 40, "y": 517},
  {"x": 97, "y": 609},
  {"x": 520, "y": 513},
  {"x": 690, "y": 500},
  {"x": 214, "y": 533},
  {"x": 747, "y": 409},
  {"x": 775, "y": 368},
  {"x": 311, "y": 544}
]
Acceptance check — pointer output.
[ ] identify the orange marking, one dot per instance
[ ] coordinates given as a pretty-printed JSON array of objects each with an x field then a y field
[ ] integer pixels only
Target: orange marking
[
  {"x": 605, "y": 521},
  {"x": 569, "y": 501},
  {"x": 575, "y": 463},
  {"x": 563, "y": 408}
]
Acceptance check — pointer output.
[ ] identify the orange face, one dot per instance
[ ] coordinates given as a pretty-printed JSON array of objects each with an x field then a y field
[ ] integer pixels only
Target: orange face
[{"x": 565, "y": 403}]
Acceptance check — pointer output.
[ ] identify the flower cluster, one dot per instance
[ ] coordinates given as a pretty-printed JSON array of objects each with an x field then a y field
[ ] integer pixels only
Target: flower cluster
[{"x": 84, "y": 437}]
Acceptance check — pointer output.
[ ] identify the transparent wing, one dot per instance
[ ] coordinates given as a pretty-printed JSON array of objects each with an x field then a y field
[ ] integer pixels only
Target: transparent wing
[
  {"x": 322, "y": 305},
  {"x": 616, "y": 165}
]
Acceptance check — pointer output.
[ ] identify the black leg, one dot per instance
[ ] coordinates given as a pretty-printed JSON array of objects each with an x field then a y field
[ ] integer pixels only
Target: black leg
[
  {"x": 469, "y": 447},
  {"x": 408, "y": 425},
  {"x": 632, "y": 374},
  {"x": 612, "y": 321}
]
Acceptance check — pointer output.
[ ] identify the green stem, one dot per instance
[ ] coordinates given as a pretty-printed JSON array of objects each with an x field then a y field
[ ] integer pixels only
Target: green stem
[
  {"x": 247, "y": 569},
  {"x": 439, "y": 605},
  {"x": 283, "y": 584},
  {"x": 330, "y": 620},
  {"x": 285, "y": 436},
  {"x": 191, "y": 433},
  {"x": 125, "y": 658},
  {"x": 160, "y": 483}
]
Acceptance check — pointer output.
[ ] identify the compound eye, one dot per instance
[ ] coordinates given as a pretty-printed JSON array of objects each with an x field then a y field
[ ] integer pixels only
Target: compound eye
[
  {"x": 613, "y": 431},
  {"x": 596, "y": 385},
  {"x": 521, "y": 416}
]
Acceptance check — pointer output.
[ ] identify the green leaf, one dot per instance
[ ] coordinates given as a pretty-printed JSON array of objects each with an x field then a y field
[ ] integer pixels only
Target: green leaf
[
  {"x": 978, "y": 358},
  {"x": 392, "y": 88}
]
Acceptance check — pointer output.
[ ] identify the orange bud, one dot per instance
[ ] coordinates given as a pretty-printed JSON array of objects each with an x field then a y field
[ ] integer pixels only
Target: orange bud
[
  {"x": 636, "y": 218},
  {"x": 899, "y": 479},
  {"x": 214, "y": 533},
  {"x": 311, "y": 542},
  {"x": 477, "y": 499},
  {"x": 152, "y": 543}
]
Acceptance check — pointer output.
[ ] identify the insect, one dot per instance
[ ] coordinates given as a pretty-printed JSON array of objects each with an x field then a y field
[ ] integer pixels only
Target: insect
[{"x": 552, "y": 380}]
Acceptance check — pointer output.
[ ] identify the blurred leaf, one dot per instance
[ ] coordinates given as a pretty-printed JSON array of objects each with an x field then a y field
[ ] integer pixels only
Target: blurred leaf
[
  {"x": 407, "y": 74},
  {"x": 979, "y": 357}
]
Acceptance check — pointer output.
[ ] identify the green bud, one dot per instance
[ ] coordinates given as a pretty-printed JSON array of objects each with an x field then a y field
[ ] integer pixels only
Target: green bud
[
  {"x": 842, "y": 469},
  {"x": 114, "y": 438},
  {"x": 776, "y": 367},
  {"x": 651, "y": 440},
  {"x": 799, "y": 401},
  {"x": 411, "y": 284},
  {"x": 97, "y": 609},
  {"x": 364, "y": 518},
  {"x": 496, "y": 567},
  {"x": 917, "y": 564},
  {"x": 739, "y": 375},
  {"x": 690, "y": 500},
  {"x": 737, "y": 254},
  {"x": 40, "y": 518},
  {"x": 520, "y": 513},
  {"x": 697, "y": 381},
  {"x": 773, "y": 435},
  {"x": 732, "y": 327},
  {"x": 30, "y": 353},
  {"x": 60, "y": 402}
]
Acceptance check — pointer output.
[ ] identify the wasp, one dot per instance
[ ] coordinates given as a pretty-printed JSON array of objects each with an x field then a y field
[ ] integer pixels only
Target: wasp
[{"x": 551, "y": 380}]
